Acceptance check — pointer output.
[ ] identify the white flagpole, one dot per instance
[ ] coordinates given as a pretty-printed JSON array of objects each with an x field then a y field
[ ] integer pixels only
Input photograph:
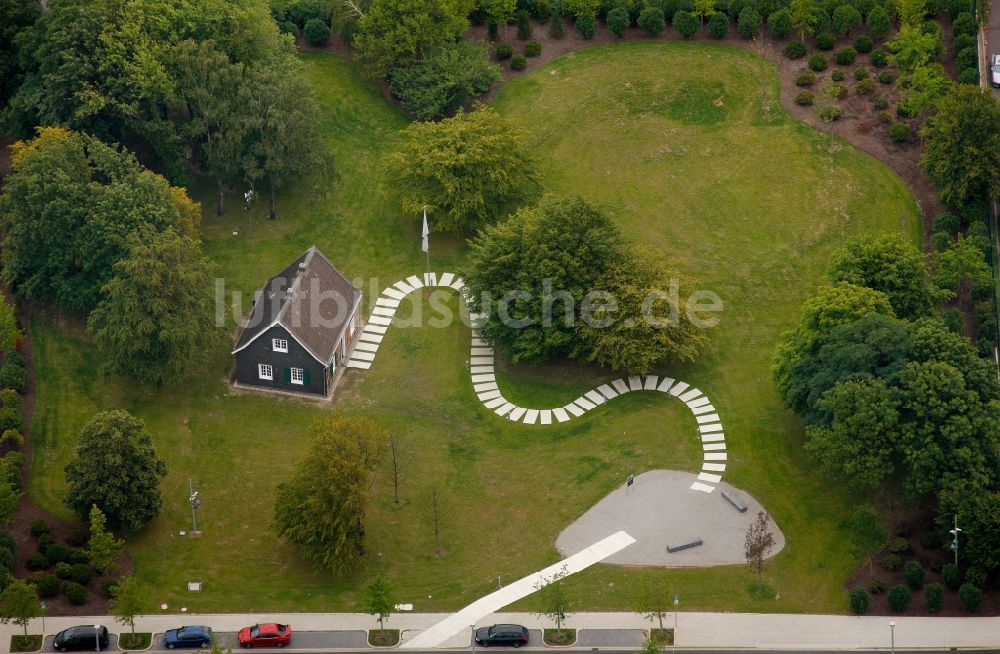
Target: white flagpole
[{"x": 425, "y": 246}]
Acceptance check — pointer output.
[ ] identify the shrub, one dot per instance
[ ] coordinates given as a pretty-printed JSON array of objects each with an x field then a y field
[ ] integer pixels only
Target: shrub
[
  {"x": 10, "y": 399},
  {"x": 864, "y": 44},
  {"x": 518, "y": 62},
  {"x": 523, "y": 25},
  {"x": 652, "y": 21},
  {"x": 619, "y": 21},
  {"x": 887, "y": 77},
  {"x": 78, "y": 536},
  {"x": 718, "y": 25},
  {"x": 975, "y": 576},
  {"x": 57, "y": 553},
  {"x": 542, "y": 10},
  {"x": 876, "y": 587},
  {"x": 844, "y": 19},
  {"x": 14, "y": 358},
  {"x": 37, "y": 562},
  {"x": 77, "y": 555},
  {"x": 492, "y": 29},
  {"x": 846, "y": 56},
  {"x": 805, "y": 98},
  {"x": 108, "y": 586},
  {"x": 837, "y": 91},
  {"x": 941, "y": 241},
  {"x": 860, "y": 74},
  {"x": 749, "y": 22},
  {"x": 891, "y": 562},
  {"x": 795, "y": 50},
  {"x": 865, "y": 87},
  {"x": 934, "y": 597},
  {"x": 6, "y": 541},
  {"x": 805, "y": 78},
  {"x": 11, "y": 419},
  {"x": 963, "y": 24},
  {"x": 44, "y": 541},
  {"x": 532, "y": 49},
  {"x": 288, "y": 27},
  {"x": 880, "y": 59},
  {"x": 316, "y": 31},
  {"x": 878, "y": 22},
  {"x": 817, "y": 62},
  {"x": 48, "y": 586},
  {"x": 6, "y": 560},
  {"x": 950, "y": 573},
  {"x": 860, "y": 600},
  {"x": 913, "y": 572},
  {"x": 969, "y": 76},
  {"x": 825, "y": 41},
  {"x": 63, "y": 570},
  {"x": 900, "y": 133},
  {"x": 780, "y": 23},
  {"x": 884, "y": 117},
  {"x": 837, "y": 75},
  {"x": 881, "y": 103},
  {"x": 504, "y": 51},
  {"x": 963, "y": 41},
  {"x": 899, "y": 597},
  {"x": 13, "y": 437},
  {"x": 81, "y": 573},
  {"x": 75, "y": 593},
  {"x": 898, "y": 546},
  {"x": 586, "y": 25},
  {"x": 829, "y": 113},
  {"x": 13, "y": 376},
  {"x": 557, "y": 28},
  {"x": 970, "y": 596},
  {"x": 966, "y": 58},
  {"x": 685, "y": 23}
]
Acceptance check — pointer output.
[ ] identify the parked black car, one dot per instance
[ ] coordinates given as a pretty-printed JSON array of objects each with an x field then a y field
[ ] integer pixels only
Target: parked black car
[
  {"x": 82, "y": 637},
  {"x": 502, "y": 634}
]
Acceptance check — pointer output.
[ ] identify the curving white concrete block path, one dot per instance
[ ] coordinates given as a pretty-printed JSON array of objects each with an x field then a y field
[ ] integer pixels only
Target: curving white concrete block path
[{"x": 481, "y": 368}]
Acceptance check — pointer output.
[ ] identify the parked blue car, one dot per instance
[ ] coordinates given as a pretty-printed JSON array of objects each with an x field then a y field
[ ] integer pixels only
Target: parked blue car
[{"x": 189, "y": 636}]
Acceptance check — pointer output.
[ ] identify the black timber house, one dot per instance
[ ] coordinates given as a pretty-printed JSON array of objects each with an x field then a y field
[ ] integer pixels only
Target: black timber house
[{"x": 300, "y": 333}]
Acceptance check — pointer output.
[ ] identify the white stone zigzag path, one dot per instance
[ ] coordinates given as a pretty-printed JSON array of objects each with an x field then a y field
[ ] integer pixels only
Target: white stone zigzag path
[
  {"x": 484, "y": 606},
  {"x": 481, "y": 367}
]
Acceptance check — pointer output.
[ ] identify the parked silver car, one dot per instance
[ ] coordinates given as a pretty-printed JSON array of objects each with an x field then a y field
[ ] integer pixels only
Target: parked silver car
[{"x": 995, "y": 70}]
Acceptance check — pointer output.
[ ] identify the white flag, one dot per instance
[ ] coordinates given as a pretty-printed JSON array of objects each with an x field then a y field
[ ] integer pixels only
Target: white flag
[{"x": 424, "y": 245}]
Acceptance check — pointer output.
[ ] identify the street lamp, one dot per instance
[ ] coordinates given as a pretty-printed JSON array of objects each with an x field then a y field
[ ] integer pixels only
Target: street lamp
[
  {"x": 954, "y": 543},
  {"x": 892, "y": 636},
  {"x": 472, "y": 628},
  {"x": 97, "y": 638},
  {"x": 195, "y": 503},
  {"x": 677, "y": 601}
]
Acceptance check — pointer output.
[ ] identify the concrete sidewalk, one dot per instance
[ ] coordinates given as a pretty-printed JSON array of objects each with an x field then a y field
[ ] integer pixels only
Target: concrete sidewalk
[{"x": 709, "y": 630}]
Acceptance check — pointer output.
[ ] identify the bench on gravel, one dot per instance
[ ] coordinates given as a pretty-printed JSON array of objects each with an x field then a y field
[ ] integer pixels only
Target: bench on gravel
[
  {"x": 737, "y": 504},
  {"x": 684, "y": 545}
]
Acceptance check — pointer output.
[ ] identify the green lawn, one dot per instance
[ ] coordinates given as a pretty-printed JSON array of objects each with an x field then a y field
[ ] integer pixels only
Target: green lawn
[{"x": 751, "y": 204}]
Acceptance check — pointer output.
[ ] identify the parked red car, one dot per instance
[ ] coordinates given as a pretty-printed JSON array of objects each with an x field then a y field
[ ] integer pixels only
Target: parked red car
[{"x": 267, "y": 634}]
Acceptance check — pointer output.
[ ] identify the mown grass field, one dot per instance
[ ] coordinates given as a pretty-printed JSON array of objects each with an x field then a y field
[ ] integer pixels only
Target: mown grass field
[{"x": 671, "y": 138}]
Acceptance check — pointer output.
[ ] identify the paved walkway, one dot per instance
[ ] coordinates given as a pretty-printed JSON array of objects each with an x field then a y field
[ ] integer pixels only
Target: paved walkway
[
  {"x": 718, "y": 630},
  {"x": 481, "y": 367},
  {"x": 459, "y": 623}
]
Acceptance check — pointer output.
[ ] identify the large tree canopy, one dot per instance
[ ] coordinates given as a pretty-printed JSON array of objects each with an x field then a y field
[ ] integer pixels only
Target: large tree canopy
[
  {"x": 394, "y": 33},
  {"x": 116, "y": 468},
  {"x": 322, "y": 507},
  {"x": 158, "y": 311},
  {"x": 962, "y": 151},
  {"x": 105, "y": 66},
  {"x": 892, "y": 265},
  {"x": 67, "y": 209},
  {"x": 467, "y": 170}
]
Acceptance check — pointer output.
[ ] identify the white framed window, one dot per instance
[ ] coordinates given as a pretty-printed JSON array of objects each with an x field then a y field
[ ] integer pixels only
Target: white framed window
[
  {"x": 265, "y": 371},
  {"x": 353, "y": 325},
  {"x": 279, "y": 345},
  {"x": 297, "y": 376}
]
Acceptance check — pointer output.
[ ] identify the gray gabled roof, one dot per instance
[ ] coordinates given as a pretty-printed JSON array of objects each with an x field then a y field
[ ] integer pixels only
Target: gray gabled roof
[{"x": 311, "y": 299}]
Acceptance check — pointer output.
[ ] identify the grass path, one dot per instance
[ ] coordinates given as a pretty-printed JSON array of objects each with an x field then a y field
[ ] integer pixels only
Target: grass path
[{"x": 669, "y": 137}]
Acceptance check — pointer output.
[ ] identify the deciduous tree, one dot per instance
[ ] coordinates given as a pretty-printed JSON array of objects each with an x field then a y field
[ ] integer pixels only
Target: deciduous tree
[
  {"x": 9, "y": 497},
  {"x": 554, "y": 601},
  {"x": 103, "y": 548},
  {"x": 445, "y": 80},
  {"x": 157, "y": 317},
  {"x": 396, "y": 33},
  {"x": 19, "y": 604},
  {"x": 868, "y": 534},
  {"x": 889, "y": 264},
  {"x": 126, "y": 604},
  {"x": 467, "y": 170},
  {"x": 322, "y": 507},
  {"x": 379, "y": 599},
  {"x": 115, "y": 467},
  {"x": 758, "y": 544},
  {"x": 9, "y": 332}
]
